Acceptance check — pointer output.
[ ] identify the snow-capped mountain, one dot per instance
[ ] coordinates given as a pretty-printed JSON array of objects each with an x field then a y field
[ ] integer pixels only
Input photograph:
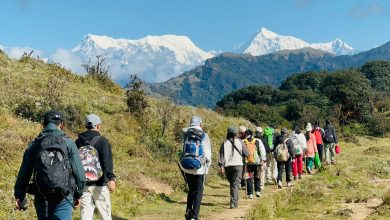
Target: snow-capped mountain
[
  {"x": 153, "y": 58},
  {"x": 266, "y": 41}
]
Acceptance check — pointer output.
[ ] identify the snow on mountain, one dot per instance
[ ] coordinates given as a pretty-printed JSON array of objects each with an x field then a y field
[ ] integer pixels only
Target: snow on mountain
[
  {"x": 266, "y": 41},
  {"x": 153, "y": 58}
]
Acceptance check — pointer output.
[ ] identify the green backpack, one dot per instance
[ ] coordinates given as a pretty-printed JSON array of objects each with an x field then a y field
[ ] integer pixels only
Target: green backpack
[{"x": 269, "y": 134}]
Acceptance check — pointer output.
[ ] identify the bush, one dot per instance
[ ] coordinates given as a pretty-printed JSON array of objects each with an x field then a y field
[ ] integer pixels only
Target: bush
[
  {"x": 378, "y": 126},
  {"x": 136, "y": 98},
  {"x": 74, "y": 118}
]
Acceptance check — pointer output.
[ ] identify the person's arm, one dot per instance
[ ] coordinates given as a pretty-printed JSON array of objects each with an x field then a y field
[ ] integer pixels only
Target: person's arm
[
  {"x": 261, "y": 149},
  {"x": 221, "y": 157},
  {"x": 290, "y": 147},
  {"x": 208, "y": 150},
  {"x": 105, "y": 159},
  {"x": 336, "y": 140},
  {"x": 77, "y": 169},
  {"x": 24, "y": 175}
]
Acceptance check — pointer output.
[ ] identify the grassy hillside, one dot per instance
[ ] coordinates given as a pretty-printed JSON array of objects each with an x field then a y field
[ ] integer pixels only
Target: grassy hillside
[{"x": 141, "y": 154}]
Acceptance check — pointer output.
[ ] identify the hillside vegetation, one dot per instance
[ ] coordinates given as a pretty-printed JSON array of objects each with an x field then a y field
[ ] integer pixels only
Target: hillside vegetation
[
  {"x": 143, "y": 154},
  {"x": 207, "y": 84}
]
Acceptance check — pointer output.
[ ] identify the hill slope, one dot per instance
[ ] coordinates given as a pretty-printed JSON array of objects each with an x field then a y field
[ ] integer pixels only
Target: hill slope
[{"x": 205, "y": 85}]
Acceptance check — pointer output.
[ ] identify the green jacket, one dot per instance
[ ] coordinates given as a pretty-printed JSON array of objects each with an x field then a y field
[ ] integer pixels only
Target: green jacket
[{"x": 27, "y": 167}]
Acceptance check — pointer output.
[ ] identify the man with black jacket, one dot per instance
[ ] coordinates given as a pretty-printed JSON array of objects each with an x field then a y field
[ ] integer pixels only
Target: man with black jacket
[
  {"x": 330, "y": 142},
  {"x": 96, "y": 193}
]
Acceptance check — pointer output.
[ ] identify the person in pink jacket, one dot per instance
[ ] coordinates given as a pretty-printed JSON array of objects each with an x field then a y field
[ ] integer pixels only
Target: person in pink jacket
[{"x": 311, "y": 149}]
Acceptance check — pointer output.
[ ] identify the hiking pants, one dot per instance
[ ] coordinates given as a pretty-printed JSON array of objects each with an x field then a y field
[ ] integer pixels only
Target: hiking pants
[
  {"x": 320, "y": 148},
  {"x": 255, "y": 169},
  {"x": 271, "y": 167},
  {"x": 233, "y": 174},
  {"x": 297, "y": 165},
  {"x": 287, "y": 167},
  {"x": 262, "y": 170},
  {"x": 329, "y": 152},
  {"x": 55, "y": 210},
  {"x": 95, "y": 197},
  {"x": 309, "y": 163},
  {"x": 195, "y": 193}
]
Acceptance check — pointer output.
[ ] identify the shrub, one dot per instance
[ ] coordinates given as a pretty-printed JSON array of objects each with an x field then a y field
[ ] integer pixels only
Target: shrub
[{"x": 136, "y": 98}]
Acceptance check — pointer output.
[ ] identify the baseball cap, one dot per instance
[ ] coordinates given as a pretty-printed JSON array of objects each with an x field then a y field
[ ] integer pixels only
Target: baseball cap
[
  {"x": 92, "y": 120},
  {"x": 231, "y": 129},
  {"x": 195, "y": 121},
  {"x": 284, "y": 131},
  {"x": 259, "y": 129},
  {"x": 52, "y": 116},
  {"x": 242, "y": 129}
]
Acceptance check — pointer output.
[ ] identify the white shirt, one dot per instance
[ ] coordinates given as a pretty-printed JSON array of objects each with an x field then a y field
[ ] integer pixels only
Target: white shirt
[{"x": 233, "y": 159}]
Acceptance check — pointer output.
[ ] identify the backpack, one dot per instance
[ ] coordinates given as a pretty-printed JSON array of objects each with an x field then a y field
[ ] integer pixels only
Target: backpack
[
  {"x": 282, "y": 154},
  {"x": 192, "y": 157},
  {"x": 297, "y": 145},
  {"x": 90, "y": 159},
  {"x": 52, "y": 170},
  {"x": 329, "y": 135},
  {"x": 253, "y": 156},
  {"x": 268, "y": 133}
]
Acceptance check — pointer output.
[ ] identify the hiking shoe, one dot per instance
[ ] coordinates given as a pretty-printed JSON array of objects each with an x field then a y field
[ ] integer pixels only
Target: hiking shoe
[
  {"x": 289, "y": 184},
  {"x": 308, "y": 170},
  {"x": 299, "y": 176},
  {"x": 258, "y": 194},
  {"x": 251, "y": 196},
  {"x": 188, "y": 214},
  {"x": 280, "y": 184},
  {"x": 295, "y": 177},
  {"x": 275, "y": 181},
  {"x": 333, "y": 162}
]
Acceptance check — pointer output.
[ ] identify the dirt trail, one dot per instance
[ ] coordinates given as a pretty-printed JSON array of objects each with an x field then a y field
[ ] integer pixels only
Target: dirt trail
[{"x": 361, "y": 211}]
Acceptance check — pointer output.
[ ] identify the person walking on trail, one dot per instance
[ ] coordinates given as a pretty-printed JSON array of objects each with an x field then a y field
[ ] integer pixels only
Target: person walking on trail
[
  {"x": 271, "y": 166},
  {"x": 96, "y": 156},
  {"x": 241, "y": 135},
  {"x": 53, "y": 161},
  {"x": 255, "y": 161},
  {"x": 319, "y": 135},
  {"x": 231, "y": 155},
  {"x": 298, "y": 140},
  {"x": 330, "y": 141},
  {"x": 311, "y": 149},
  {"x": 195, "y": 162},
  {"x": 284, "y": 154},
  {"x": 262, "y": 169}
]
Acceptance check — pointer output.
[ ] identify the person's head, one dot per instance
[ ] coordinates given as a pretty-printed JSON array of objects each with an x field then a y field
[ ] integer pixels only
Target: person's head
[
  {"x": 297, "y": 129},
  {"x": 241, "y": 132},
  {"x": 309, "y": 128},
  {"x": 248, "y": 133},
  {"x": 327, "y": 122},
  {"x": 93, "y": 122},
  {"x": 196, "y": 121},
  {"x": 231, "y": 133},
  {"x": 317, "y": 124},
  {"x": 259, "y": 130},
  {"x": 284, "y": 131},
  {"x": 54, "y": 117}
]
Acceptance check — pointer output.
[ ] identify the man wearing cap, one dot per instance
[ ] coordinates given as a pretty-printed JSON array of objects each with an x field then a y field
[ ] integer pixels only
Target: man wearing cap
[
  {"x": 53, "y": 123},
  {"x": 96, "y": 193},
  {"x": 196, "y": 177},
  {"x": 259, "y": 136}
]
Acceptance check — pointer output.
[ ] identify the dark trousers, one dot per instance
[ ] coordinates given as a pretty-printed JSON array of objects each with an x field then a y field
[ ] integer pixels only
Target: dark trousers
[
  {"x": 195, "y": 193},
  {"x": 55, "y": 210},
  {"x": 320, "y": 148},
  {"x": 249, "y": 182},
  {"x": 234, "y": 174},
  {"x": 287, "y": 167}
]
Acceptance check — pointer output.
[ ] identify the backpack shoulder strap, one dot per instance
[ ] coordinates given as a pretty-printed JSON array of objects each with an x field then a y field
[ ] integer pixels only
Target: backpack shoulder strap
[
  {"x": 94, "y": 140},
  {"x": 235, "y": 147}
]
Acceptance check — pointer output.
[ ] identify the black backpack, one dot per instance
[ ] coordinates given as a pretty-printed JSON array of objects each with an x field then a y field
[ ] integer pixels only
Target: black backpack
[
  {"x": 52, "y": 171},
  {"x": 328, "y": 135}
]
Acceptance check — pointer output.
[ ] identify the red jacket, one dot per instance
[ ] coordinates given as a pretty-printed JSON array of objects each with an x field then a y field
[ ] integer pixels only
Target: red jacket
[{"x": 318, "y": 133}]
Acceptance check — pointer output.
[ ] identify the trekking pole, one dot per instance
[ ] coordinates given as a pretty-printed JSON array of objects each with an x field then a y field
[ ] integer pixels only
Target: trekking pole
[
  {"x": 246, "y": 181},
  {"x": 183, "y": 174}
]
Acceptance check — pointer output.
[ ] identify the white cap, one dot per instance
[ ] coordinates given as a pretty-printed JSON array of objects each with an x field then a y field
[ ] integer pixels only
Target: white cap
[
  {"x": 92, "y": 120},
  {"x": 309, "y": 127},
  {"x": 242, "y": 129},
  {"x": 195, "y": 121},
  {"x": 259, "y": 129}
]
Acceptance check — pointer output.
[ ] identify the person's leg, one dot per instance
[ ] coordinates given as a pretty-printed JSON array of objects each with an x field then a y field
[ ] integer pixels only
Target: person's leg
[
  {"x": 101, "y": 197},
  {"x": 249, "y": 186},
  {"x": 236, "y": 183},
  {"x": 191, "y": 189},
  {"x": 198, "y": 194},
  {"x": 275, "y": 168},
  {"x": 299, "y": 164},
  {"x": 230, "y": 176},
  {"x": 295, "y": 167},
  {"x": 87, "y": 205},
  {"x": 269, "y": 167},
  {"x": 280, "y": 166},
  {"x": 256, "y": 171},
  {"x": 287, "y": 166},
  {"x": 63, "y": 210},
  {"x": 320, "y": 149},
  {"x": 327, "y": 153},
  {"x": 262, "y": 170},
  {"x": 40, "y": 208},
  {"x": 332, "y": 153}
]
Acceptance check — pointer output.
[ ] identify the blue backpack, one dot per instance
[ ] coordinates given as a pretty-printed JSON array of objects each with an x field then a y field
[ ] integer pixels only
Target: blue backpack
[{"x": 192, "y": 157}]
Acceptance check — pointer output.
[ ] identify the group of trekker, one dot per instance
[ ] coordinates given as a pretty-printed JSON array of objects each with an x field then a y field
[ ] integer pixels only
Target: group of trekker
[
  {"x": 252, "y": 159},
  {"x": 63, "y": 174}
]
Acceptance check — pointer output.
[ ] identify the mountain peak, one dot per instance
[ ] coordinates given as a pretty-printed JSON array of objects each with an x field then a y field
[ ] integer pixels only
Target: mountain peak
[{"x": 267, "y": 33}]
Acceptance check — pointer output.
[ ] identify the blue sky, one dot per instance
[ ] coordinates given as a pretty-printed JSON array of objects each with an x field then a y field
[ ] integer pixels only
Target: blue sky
[{"x": 212, "y": 24}]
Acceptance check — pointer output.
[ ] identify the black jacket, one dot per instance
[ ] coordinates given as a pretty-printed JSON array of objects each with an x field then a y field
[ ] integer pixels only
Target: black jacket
[
  {"x": 103, "y": 147},
  {"x": 279, "y": 140},
  {"x": 331, "y": 129}
]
